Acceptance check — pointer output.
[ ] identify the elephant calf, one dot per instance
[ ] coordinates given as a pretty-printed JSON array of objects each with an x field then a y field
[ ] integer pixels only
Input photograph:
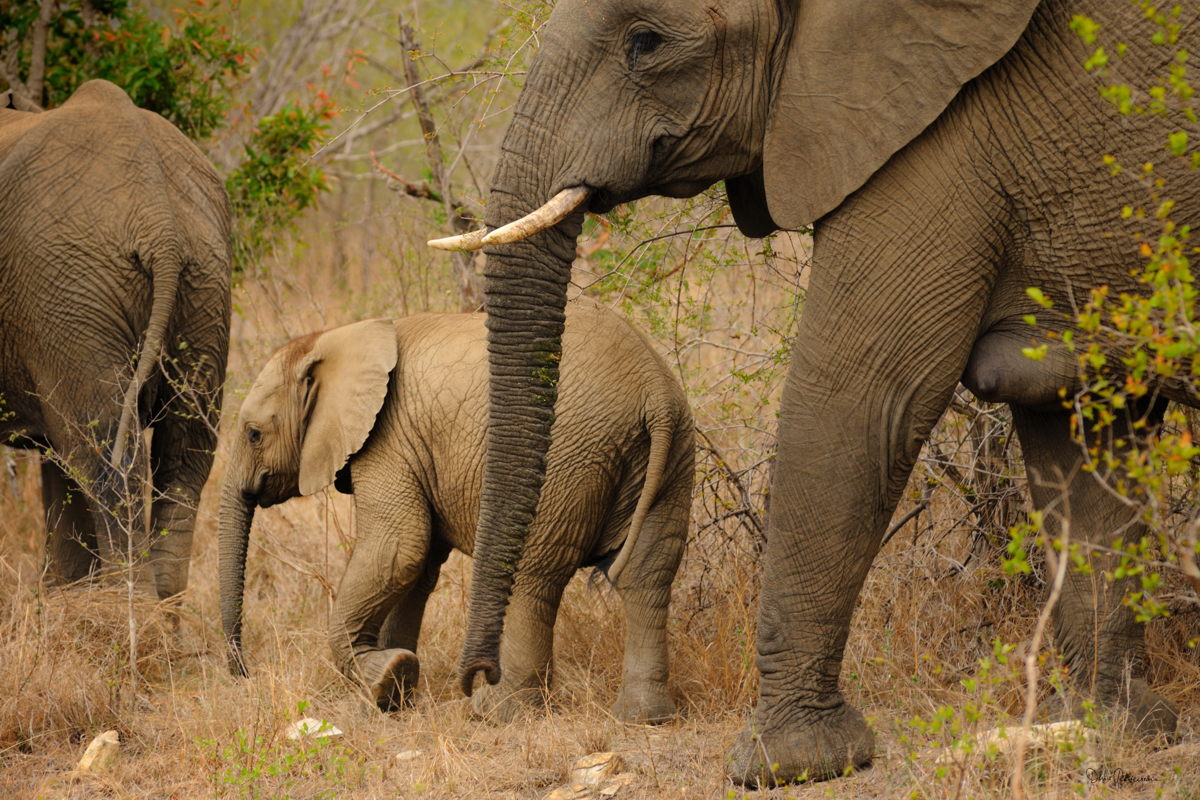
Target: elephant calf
[{"x": 396, "y": 412}]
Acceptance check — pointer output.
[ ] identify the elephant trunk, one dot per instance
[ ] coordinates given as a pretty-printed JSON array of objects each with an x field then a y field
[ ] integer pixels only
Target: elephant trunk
[
  {"x": 237, "y": 514},
  {"x": 525, "y": 294}
]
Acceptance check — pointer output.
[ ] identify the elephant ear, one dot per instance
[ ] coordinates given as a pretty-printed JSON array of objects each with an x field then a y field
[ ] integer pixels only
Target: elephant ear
[
  {"x": 861, "y": 79},
  {"x": 343, "y": 383},
  {"x": 748, "y": 202}
]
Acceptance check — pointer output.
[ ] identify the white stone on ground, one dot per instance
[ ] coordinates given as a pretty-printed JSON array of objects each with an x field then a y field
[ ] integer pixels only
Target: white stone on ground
[
  {"x": 102, "y": 754},
  {"x": 314, "y": 728}
]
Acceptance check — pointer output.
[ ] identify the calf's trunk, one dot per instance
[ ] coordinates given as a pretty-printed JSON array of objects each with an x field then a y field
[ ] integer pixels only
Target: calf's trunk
[{"x": 237, "y": 514}]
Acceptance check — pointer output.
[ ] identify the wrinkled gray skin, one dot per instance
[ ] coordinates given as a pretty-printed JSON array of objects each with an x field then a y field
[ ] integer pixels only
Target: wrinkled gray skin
[
  {"x": 114, "y": 243},
  {"x": 623, "y": 452},
  {"x": 950, "y": 155}
]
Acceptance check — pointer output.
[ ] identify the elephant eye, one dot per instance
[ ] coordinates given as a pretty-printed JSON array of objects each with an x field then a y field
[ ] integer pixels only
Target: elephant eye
[
  {"x": 254, "y": 436},
  {"x": 643, "y": 42}
]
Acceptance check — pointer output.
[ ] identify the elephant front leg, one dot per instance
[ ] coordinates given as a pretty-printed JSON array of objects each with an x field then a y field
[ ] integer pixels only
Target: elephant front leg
[
  {"x": 389, "y": 558},
  {"x": 829, "y": 503},
  {"x": 1098, "y": 635},
  {"x": 892, "y": 311}
]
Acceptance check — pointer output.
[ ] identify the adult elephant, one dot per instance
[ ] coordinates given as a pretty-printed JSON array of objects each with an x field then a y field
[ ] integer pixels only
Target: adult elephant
[
  {"x": 114, "y": 274},
  {"x": 949, "y": 155}
]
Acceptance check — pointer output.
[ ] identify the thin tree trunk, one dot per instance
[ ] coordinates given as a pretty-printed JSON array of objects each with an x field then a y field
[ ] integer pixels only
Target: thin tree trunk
[
  {"x": 37, "y": 58},
  {"x": 470, "y": 284}
]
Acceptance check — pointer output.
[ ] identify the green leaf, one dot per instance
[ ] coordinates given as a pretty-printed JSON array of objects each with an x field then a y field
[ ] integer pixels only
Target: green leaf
[
  {"x": 1178, "y": 142},
  {"x": 1037, "y": 296},
  {"x": 1036, "y": 353}
]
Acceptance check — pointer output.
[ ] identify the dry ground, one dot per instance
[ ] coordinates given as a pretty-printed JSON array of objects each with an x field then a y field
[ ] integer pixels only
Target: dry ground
[{"x": 935, "y": 603}]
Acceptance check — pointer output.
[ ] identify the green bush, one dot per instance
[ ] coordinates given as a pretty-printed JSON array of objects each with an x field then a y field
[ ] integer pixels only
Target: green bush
[
  {"x": 188, "y": 71},
  {"x": 276, "y": 181}
]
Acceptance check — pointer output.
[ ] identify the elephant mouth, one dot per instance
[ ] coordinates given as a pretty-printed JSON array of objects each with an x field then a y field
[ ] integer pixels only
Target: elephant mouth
[{"x": 604, "y": 201}]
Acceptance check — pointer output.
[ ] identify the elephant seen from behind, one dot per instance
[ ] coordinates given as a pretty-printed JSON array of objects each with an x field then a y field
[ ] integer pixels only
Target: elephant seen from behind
[
  {"x": 396, "y": 413},
  {"x": 115, "y": 270}
]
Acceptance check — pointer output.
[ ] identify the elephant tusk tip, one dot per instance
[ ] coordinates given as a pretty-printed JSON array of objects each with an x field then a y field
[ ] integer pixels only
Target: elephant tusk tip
[{"x": 465, "y": 241}]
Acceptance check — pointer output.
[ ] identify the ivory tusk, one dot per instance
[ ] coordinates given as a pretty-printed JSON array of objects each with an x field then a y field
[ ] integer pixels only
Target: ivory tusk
[
  {"x": 464, "y": 241},
  {"x": 549, "y": 215}
]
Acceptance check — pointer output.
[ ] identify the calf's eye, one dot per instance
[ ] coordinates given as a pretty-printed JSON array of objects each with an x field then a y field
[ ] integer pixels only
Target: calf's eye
[{"x": 253, "y": 436}]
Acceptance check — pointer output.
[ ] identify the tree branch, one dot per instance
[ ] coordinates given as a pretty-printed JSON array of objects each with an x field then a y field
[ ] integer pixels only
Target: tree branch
[
  {"x": 37, "y": 58},
  {"x": 900, "y": 523},
  {"x": 422, "y": 192}
]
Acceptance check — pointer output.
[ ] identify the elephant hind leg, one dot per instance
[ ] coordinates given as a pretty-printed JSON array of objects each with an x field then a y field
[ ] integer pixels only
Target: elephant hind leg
[
  {"x": 69, "y": 524},
  {"x": 527, "y": 649},
  {"x": 645, "y": 589},
  {"x": 1098, "y": 635}
]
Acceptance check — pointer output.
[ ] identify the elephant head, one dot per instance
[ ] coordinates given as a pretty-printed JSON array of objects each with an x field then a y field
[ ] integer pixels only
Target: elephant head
[
  {"x": 311, "y": 408},
  {"x": 795, "y": 105}
]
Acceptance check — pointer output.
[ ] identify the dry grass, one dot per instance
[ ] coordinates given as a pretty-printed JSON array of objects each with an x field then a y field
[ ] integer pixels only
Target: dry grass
[{"x": 932, "y": 607}]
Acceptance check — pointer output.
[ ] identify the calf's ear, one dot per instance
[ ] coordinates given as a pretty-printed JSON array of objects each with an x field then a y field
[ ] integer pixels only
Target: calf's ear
[
  {"x": 344, "y": 381},
  {"x": 861, "y": 79}
]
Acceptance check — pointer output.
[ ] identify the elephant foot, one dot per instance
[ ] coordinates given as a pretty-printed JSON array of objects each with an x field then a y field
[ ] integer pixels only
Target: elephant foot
[
  {"x": 1144, "y": 713},
  {"x": 503, "y": 705},
  {"x": 1151, "y": 714},
  {"x": 645, "y": 705},
  {"x": 819, "y": 748},
  {"x": 391, "y": 677}
]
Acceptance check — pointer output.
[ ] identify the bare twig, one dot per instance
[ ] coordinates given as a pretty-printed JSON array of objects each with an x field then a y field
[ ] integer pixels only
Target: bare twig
[
  {"x": 470, "y": 284},
  {"x": 422, "y": 192},
  {"x": 1061, "y": 562},
  {"x": 744, "y": 495},
  {"x": 900, "y": 523}
]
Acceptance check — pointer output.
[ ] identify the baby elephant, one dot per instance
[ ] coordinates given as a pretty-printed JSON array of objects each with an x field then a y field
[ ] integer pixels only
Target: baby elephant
[{"x": 395, "y": 412}]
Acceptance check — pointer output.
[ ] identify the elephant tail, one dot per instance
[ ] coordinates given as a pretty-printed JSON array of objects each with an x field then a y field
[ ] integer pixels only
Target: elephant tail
[
  {"x": 165, "y": 276},
  {"x": 661, "y": 436}
]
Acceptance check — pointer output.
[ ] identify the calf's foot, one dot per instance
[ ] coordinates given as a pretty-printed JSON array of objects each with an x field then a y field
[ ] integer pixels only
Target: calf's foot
[
  {"x": 391, "y": 677},
  {"x": 648, "y": 704},
  {"x": 503, "y": 704},
  {"x": 810, "y": 745}
]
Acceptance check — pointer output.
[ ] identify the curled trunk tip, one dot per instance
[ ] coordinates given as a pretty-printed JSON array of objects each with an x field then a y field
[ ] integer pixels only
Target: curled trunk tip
[{"x": 473, "y": 665}]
